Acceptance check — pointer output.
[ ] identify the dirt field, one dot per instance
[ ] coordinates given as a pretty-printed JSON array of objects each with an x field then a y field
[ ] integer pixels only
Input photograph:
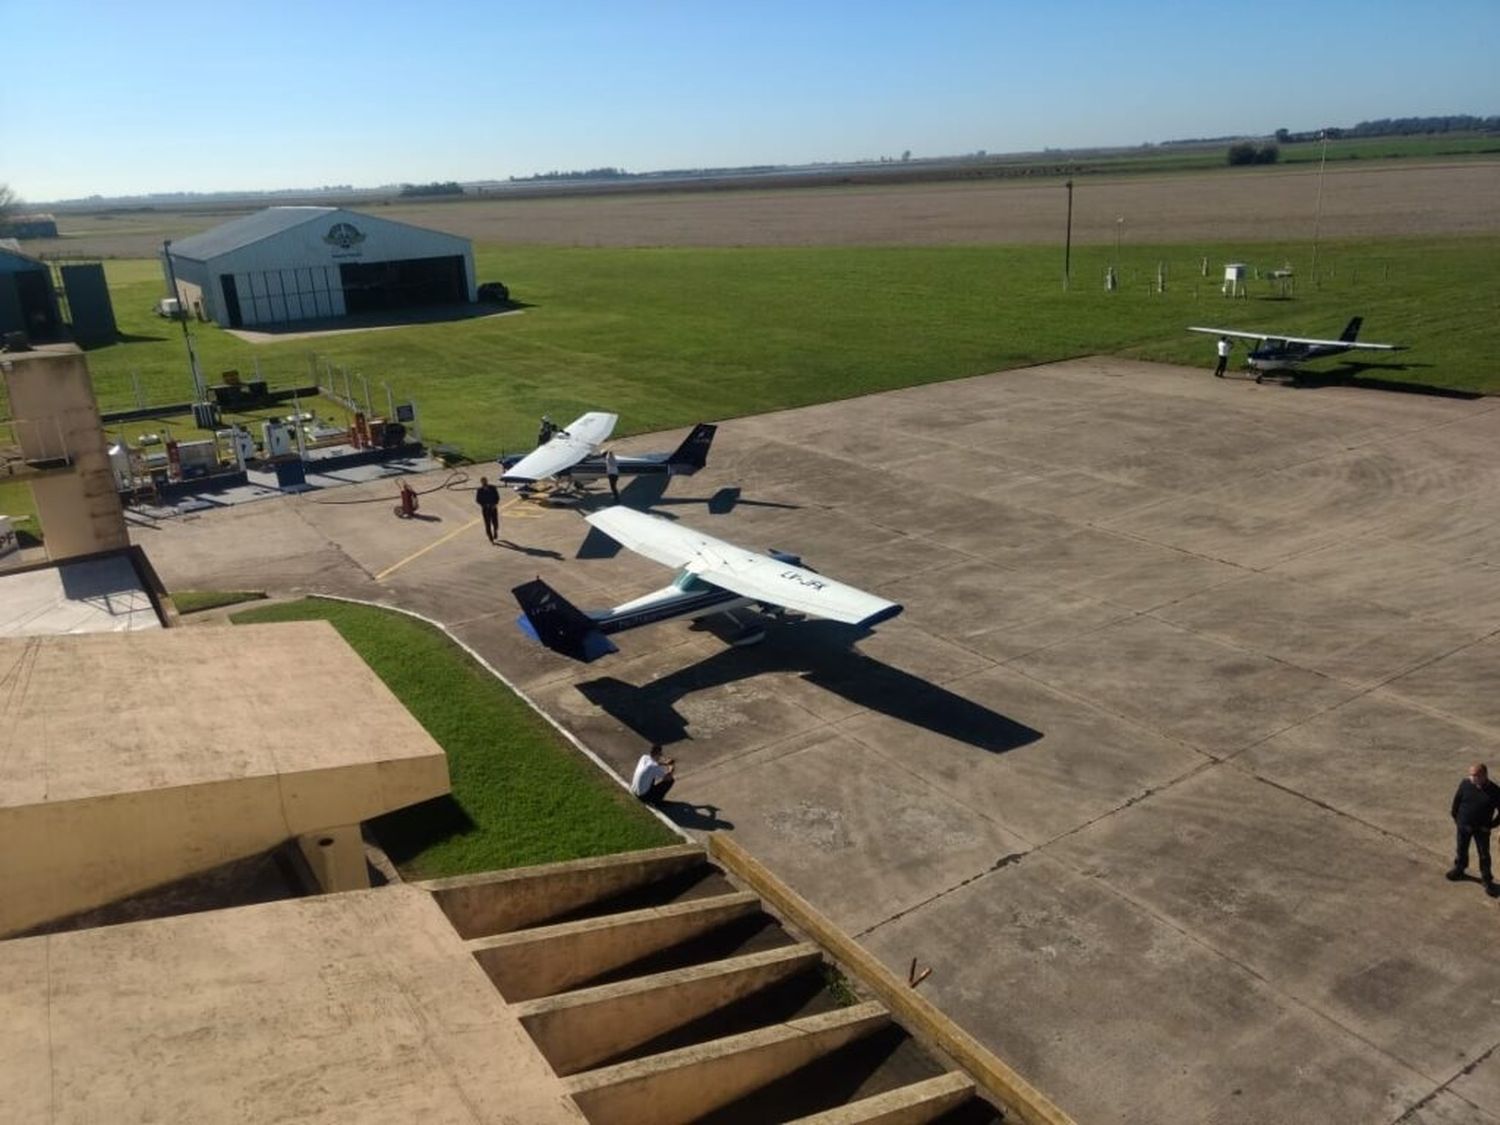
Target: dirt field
[{"x": 1253, "y": 205}]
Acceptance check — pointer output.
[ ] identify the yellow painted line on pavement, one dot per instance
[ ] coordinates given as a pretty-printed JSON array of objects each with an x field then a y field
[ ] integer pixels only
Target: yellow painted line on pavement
[
  {"x": 455, "y": 533},
  {"x": 418, "y": 554}
]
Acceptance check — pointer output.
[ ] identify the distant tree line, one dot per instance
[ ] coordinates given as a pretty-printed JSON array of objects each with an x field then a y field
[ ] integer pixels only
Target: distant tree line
[
  {"x": 1248, "y": 152},
  {"x": 451, "y": 187},
  {"x": 1399, "y": 127},
  {"x": 588, "y": 174}
]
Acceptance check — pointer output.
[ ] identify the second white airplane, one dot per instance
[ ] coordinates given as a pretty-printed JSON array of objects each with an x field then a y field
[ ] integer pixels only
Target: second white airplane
[{"x": 713, "y": 577}]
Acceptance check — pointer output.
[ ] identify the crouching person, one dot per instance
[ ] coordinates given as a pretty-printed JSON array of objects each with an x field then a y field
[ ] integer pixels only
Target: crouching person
[{"x": 653, "y": 776}]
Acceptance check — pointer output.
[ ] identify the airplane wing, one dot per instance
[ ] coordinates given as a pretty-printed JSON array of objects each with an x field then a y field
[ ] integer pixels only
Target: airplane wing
[
  {"x": 1310, "y": 340},
  {"x": 746, "y": 573},
  {"x": 566, "y": 449},
  {"x": 1238, "y": 333}
]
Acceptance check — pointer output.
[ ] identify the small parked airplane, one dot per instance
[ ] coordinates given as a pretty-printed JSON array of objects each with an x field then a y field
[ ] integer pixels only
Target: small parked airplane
[
  {"x": 573, "y": 454},
  {"x": 1287, "y": 353},
  {"x": 713, "y": 577}
]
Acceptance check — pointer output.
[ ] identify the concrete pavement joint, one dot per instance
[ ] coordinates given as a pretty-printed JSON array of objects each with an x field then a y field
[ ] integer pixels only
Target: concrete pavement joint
[
  {"x": 1004, "y": 861},
  {"x": 1468, "y": 1068}
]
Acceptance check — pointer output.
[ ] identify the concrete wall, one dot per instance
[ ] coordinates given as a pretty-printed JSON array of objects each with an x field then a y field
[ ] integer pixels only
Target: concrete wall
[{"x": 57, "y": 419}]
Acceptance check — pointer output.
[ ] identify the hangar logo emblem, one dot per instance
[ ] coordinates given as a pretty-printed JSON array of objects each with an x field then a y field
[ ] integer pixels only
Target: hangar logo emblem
[{"x": 346, "y": 236}]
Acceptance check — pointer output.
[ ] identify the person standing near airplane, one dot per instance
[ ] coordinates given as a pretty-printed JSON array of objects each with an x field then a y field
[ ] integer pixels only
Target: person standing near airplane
[
  {"x": 1224, "y": 346},
  {"x": 612, "y": 471},
  {"x": 487, "y": 496},
  {"x": 1476, "y": 810},
  {"x": 547, "y": 429}
]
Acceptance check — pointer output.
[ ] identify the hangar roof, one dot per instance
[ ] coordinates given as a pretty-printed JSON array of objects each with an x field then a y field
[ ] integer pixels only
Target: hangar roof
[
  {"x": 245, "y": 230},
  {"x": 15, "y": 260},
  {"x": 250, "y": 229}
]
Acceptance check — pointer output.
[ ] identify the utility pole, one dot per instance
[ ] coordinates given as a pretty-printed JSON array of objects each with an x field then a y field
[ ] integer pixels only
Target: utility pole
[
  {"x": 1068, "y": 240},
  {"x": 1318, "y": 212}
]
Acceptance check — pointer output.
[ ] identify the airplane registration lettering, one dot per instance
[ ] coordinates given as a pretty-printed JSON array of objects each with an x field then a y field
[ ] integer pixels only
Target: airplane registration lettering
[{"x": 803, "y": 580}]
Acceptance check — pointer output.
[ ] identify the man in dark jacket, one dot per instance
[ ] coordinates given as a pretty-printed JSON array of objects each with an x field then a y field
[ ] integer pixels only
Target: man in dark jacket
[
  {"x": 1476, "y": 810},
  {"x": 487, "y": 496}
]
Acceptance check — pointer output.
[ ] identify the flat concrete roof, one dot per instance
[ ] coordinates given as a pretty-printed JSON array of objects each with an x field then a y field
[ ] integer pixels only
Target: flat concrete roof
[
  {"x": 352, "y": 1007},
  {"x": 131, "y": 760},
  {"x": 103, "y": 595},
  {"x": 101, "y": 715},
  {"x": 1154, "y": 770}
]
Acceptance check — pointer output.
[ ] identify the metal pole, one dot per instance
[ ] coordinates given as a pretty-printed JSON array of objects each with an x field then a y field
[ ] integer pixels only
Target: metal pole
[
  {"x": 1318, "y": 213},
  {"x": 1068, "y": 240},
  {"x": 1119, "y": 225},
  {"x": 187, "y": 338},
  {"x": 297, "y": 428},
  {"x": 390, "y": 403},
  {"x": 369, "y": 410}
]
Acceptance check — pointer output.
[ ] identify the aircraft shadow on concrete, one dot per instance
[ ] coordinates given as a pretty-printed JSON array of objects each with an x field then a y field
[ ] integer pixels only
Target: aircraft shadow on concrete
[
  {"x": 820, "y": 653},
  {"x": 646, "y": 494},
  {"x": 1357, "y": 373}
]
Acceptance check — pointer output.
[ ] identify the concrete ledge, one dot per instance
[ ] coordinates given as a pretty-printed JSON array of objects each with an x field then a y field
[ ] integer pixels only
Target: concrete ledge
[
  {"x": 501, "y": 901},
  {"x": 577, "y": 1030},
  {"x": 916, "y": 1104},
  {"x": 550, "y": 959},
  {"x": 681, "y": 1086},
  {"x": 915, "y": 1013}
]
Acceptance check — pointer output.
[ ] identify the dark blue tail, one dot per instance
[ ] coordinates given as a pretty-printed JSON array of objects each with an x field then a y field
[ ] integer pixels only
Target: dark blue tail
[
  {"x": 692, "y": 454},
  {"x": 1351, "y": 330},
  {"x": 548, "y": 617}
]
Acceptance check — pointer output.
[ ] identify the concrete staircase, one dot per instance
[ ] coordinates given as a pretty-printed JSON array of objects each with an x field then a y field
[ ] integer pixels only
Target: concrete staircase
[{"x": 663, "y": 993}]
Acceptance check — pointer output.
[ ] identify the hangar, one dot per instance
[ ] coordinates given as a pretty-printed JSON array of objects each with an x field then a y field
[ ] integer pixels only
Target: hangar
[{"x": 304, "y": 263}]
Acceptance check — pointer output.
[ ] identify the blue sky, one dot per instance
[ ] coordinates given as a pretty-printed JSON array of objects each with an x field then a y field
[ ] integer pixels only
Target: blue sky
[{"x": 115, "y": 98}]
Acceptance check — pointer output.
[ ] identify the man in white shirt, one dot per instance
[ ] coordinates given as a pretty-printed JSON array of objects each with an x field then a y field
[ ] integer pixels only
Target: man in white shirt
[
  {"x": 1224, "y": 346},
  {"x": 653, "y": 776},
  {"x": 612, "y": 471}
]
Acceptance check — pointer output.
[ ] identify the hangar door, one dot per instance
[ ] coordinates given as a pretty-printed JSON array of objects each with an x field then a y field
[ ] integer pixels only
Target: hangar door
[
  {"x": 397, "y": 285},
  {"x": 277, "y": 296}
]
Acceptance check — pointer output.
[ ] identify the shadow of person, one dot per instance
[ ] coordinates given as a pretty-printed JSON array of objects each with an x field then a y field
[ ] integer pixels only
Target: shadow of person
[
  {"x": 534, "y": 552},
  {"x": 701, "y": 818}
]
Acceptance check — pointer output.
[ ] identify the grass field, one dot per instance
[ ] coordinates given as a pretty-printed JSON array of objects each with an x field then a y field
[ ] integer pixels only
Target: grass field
[
  {"x": 668, "y": 336},
  {"x": 521, "y": 793}
]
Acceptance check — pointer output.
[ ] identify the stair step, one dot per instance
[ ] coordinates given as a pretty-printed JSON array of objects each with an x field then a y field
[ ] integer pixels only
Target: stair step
[{"x": 684, "y": 1085}]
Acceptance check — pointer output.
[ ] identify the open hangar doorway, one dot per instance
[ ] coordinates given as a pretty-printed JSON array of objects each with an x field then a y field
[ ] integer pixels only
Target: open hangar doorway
[{"x": 381, "y": 286}]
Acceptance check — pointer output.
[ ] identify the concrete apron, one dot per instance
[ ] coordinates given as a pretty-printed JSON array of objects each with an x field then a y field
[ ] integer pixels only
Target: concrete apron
[{"x": 1154, "y": 770}]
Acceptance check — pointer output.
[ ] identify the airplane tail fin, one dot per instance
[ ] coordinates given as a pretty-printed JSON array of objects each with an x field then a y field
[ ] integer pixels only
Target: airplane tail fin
[
  {"x": 548, "y": 617},
  {"x": 692, "y": 454},
  {"x": 1351, "y": 330}
]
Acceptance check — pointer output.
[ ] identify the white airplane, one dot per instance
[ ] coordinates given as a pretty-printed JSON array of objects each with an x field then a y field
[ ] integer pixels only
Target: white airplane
[
  {"x": 564, "y": 450},
  {"x": 584, "y": 465},
  {"x": 1287, "y": 353},
  {"x": 712, "y": 577}
]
